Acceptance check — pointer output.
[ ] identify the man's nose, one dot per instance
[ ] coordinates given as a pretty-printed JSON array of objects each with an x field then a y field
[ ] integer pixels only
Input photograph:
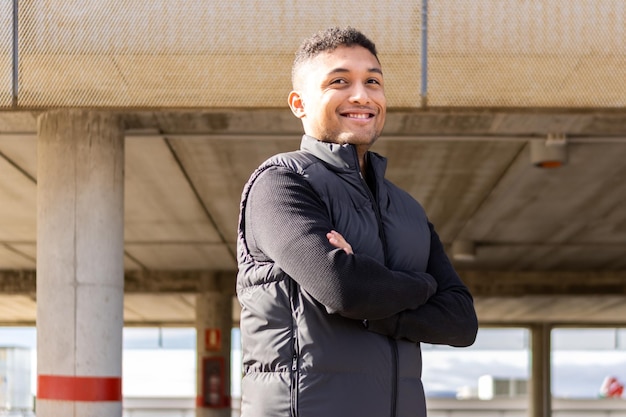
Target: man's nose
[{"x": 359, "y": 94}]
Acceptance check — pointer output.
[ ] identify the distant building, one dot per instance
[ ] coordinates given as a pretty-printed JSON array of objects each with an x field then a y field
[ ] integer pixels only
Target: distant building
[{"x": 490, "y": 387}]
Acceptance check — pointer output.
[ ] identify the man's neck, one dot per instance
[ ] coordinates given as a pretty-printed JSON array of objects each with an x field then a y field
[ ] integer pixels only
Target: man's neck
[{"x": 362, "y": 155}]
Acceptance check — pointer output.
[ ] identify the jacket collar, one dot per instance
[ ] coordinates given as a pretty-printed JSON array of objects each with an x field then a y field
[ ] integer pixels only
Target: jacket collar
[{"x": 342, "y": 157}]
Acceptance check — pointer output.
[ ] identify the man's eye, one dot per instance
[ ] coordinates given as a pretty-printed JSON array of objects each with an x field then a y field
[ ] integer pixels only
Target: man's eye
[
  {"x": 338, "y": 81},
  {"x": 373, "y": 81}
]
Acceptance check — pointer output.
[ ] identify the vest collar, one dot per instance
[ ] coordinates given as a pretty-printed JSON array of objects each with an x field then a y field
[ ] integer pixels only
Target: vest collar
[{"x": 341, "y": 156}]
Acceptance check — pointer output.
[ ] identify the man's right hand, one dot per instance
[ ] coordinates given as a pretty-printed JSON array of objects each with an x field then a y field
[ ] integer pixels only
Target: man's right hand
[{"x": 337, "y": 240}]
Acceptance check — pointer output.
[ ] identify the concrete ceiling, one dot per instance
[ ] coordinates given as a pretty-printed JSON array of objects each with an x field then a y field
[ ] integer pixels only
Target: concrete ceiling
[{"x": 550, "y": 243}]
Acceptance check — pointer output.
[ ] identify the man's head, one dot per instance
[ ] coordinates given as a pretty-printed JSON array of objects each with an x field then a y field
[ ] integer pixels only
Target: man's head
[
  {"x": 338, "y": 88},
  {"x": 327, "y": 41}
]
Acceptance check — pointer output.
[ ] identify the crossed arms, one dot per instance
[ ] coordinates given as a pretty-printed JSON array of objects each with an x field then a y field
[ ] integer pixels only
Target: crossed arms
[{"x": 287, "y": 223}]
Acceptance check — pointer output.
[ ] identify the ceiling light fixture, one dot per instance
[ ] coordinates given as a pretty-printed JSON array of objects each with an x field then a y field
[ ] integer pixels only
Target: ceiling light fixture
[
  {"x": 549, "y": 153},
  {"x": 463, "y": 250}
]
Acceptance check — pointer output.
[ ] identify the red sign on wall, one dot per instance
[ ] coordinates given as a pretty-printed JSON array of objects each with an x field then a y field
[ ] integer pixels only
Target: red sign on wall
[
  {"x": 212, "y": 340},
  {"x": 213, "y": 384}
]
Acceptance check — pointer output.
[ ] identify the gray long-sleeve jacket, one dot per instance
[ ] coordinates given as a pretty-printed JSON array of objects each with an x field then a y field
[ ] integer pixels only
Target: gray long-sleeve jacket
[{"x": 325, "y": 333}]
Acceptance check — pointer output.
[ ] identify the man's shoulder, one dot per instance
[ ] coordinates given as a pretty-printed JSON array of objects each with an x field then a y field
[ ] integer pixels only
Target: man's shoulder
[{"x": 297, "y": 161}]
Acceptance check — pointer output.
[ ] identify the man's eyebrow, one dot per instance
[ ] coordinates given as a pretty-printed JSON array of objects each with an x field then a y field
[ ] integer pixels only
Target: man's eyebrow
[{"x": 344, "y": 70}]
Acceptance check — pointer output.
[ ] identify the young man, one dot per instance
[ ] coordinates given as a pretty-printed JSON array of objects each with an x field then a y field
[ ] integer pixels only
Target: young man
[{"x": 341, "y": 275}]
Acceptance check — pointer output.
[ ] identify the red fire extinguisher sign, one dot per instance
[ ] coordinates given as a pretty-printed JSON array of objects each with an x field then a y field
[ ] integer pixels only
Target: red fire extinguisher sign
[{"x": 212, "y": 340}]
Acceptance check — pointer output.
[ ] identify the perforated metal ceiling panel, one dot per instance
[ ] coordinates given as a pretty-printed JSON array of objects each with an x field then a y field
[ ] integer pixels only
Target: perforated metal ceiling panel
[
  {"x": 181, "y": 53},
  {"x": 532, "y": 53},
  {"x": 190, "y": 54}
]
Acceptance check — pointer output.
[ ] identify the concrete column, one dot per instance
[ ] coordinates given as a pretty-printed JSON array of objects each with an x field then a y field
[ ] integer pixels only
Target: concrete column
[
  {"x": 214, "y": 321},
  {"x": 540, "y": 382},
  {"x": 80, "y": 269}
]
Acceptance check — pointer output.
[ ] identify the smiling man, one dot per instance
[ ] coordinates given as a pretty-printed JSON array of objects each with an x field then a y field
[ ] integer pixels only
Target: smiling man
[
  {"x": 344, "y": 95},
  {"x": 341, "y": 275}
]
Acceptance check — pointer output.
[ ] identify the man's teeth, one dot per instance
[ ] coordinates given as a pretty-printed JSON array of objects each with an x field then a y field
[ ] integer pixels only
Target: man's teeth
[{"x": 358, "y": 115}]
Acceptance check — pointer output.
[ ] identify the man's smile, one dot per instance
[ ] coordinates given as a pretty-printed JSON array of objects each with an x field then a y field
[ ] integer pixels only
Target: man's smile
[{"x": 359, "y": 115}]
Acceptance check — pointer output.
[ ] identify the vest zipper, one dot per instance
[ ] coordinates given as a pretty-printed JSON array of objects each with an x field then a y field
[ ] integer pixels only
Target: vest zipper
[
  {"x": 379, "y": 219},
  {"x": 294, "y": 386},
  {"x": 394, "y": 376},
  {"x": 393, "y": 344},
  {"x": 293, "y": 290}
]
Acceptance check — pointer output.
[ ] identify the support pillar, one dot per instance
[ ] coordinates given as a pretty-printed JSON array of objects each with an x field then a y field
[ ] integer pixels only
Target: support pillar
[
  {"x": 80, "y": 269},
  {"x": 214, "y": 321},
  {"x": 540, "y": 383}
]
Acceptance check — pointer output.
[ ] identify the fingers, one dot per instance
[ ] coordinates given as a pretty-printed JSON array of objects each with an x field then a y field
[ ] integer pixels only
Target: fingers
[
  {"x": 335, "y": 239},
  {"x": 338, "y": 241}
]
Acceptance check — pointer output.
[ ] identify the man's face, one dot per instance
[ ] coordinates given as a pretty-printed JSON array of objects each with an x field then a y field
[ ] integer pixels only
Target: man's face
[{"x": 340, "y": 97}]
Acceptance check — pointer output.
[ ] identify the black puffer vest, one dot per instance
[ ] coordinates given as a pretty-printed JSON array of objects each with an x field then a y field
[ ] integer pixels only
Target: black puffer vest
[{"x": 302, "y": 361}]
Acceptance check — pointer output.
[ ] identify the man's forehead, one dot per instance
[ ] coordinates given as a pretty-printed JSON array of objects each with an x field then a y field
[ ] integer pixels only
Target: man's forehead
[
  {"x": 343, "y": 59},
  {"x": 343, "y": 50},
  {"x": 329, "y": 62}
]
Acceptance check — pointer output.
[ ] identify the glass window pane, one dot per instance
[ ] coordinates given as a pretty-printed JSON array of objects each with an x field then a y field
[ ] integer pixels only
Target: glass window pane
[
  {"x": 496, "y": 366},
  {"x": 178, "y": 338},
  {"x": 582, "y": 339},
  {"x": 141, "y": 338},
  {"x": 584, "y": 358},
  {"x": 621, "y": 339}
]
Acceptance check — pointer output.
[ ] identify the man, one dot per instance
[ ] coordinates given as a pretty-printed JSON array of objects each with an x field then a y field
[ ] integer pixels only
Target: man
[{"x": 341, "y": 275}]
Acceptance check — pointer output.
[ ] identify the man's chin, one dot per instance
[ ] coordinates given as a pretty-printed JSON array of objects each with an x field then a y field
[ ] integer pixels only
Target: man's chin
[{"x": 357, "y": 139}]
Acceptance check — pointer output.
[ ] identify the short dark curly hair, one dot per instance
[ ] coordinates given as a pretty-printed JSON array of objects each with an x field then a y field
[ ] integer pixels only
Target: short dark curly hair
[{"x": 328, "y": 40}]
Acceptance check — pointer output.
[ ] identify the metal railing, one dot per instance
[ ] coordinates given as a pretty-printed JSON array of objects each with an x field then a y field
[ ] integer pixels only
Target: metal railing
[
  {"x": 437, "y": 407},
  {"x": 16, "y": 412}
]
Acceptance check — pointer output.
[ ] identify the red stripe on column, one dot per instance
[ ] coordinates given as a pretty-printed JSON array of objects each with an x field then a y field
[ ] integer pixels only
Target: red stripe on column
[{"x": 79, "y": 388}]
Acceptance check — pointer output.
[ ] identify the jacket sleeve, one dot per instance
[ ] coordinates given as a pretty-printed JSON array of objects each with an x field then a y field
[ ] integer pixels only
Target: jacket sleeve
[
  {"x": 448, "y": 317},
  {"x": 286, "y": 223}
]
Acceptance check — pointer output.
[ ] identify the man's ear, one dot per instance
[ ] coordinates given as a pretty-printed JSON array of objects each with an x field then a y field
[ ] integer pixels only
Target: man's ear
[{"x": 296, "y": 103}]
